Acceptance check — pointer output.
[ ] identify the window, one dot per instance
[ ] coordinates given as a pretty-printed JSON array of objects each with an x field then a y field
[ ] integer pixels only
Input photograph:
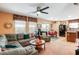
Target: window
[
  {"x": 20, "y": 26},
  {"x": 45, "y": 27},
  {"x": 73, "y": 25},
  {"x": 32, "y": 27}
]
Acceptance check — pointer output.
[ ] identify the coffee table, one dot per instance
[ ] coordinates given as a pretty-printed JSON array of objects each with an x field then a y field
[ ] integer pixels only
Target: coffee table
[{"x": 33, "y": 42}]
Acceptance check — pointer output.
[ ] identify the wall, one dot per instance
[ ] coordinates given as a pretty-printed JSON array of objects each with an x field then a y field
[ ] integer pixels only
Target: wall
[{"x": 6, "y": 18}]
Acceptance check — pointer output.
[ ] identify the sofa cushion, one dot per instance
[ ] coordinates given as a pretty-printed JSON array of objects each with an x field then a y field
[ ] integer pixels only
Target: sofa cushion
[
  {"x": 24, "y": 42},
  {"x": 17, "y": 51},
  {"x": 11, "y": 37},
  {"x": 10, "y": 46},
  {"x": 29, "y": 49}
]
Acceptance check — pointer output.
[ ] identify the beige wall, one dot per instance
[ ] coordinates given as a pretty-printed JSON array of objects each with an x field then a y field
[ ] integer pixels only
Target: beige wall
[{"x": 6, "y": 18}]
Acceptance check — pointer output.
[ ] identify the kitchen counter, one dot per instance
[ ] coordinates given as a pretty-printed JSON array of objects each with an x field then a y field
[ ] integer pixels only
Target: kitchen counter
[
  {"x": 72, "y": 31},
  {"x": 71, "y": 36}
]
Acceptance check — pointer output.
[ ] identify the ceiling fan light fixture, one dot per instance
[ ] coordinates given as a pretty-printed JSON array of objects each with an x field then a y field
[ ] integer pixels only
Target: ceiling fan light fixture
[{"x": 38, "y": 12}]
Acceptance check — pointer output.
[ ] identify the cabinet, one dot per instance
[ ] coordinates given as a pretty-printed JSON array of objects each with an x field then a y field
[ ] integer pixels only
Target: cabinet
[{"x": 71, "y": 36}]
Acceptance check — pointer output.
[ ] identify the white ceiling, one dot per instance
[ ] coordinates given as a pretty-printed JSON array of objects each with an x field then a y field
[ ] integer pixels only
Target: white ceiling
[{"x": 56, "y": 11}]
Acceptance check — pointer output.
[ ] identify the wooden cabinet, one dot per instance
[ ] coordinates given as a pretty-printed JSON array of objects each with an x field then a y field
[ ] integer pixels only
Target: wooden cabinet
[{"x": 71, "y": 36}]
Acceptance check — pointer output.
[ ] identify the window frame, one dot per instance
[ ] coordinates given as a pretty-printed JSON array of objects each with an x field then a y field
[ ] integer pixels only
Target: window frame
[{"x": 16, "y": 31}]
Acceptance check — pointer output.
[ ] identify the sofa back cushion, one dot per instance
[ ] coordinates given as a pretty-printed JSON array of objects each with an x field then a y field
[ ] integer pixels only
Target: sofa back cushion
[
  {"x": 11, "y": 37},
  {"x": 20, "y": 36}
]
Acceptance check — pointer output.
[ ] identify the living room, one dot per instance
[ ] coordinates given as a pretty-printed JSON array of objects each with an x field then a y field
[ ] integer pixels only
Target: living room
[{"x": 21, "y": 29}]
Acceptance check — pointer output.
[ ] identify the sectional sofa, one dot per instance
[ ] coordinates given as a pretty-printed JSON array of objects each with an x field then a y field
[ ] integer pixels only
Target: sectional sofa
[{"x": 16, "y": 44}]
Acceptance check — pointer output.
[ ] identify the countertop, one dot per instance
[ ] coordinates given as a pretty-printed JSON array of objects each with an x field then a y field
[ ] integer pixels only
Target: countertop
[{"x": 72, "y": 31}]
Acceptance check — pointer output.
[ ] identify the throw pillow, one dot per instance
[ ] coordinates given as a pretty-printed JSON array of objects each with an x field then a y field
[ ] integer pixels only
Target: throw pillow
[
  {"x": 10, "y": 46},
  {"x": 20, "y": 36},
  {"x": 3, "y": 41},
  {"x": 26, "y": 36}
]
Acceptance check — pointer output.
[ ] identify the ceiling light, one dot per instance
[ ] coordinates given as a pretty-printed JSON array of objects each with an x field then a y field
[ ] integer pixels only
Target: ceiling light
[{"x": 38, "y": 12}]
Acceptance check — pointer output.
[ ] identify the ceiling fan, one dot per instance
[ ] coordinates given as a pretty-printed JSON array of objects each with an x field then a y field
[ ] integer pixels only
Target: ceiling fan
[{"x": 41, "y": 10}]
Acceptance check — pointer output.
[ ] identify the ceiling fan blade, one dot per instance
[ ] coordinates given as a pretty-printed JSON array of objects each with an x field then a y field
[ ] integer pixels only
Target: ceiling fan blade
[
  {"x": 44, "y": 12},
  {"x": 75, "y": 3},
  {"x": 44, "y": 8}
]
